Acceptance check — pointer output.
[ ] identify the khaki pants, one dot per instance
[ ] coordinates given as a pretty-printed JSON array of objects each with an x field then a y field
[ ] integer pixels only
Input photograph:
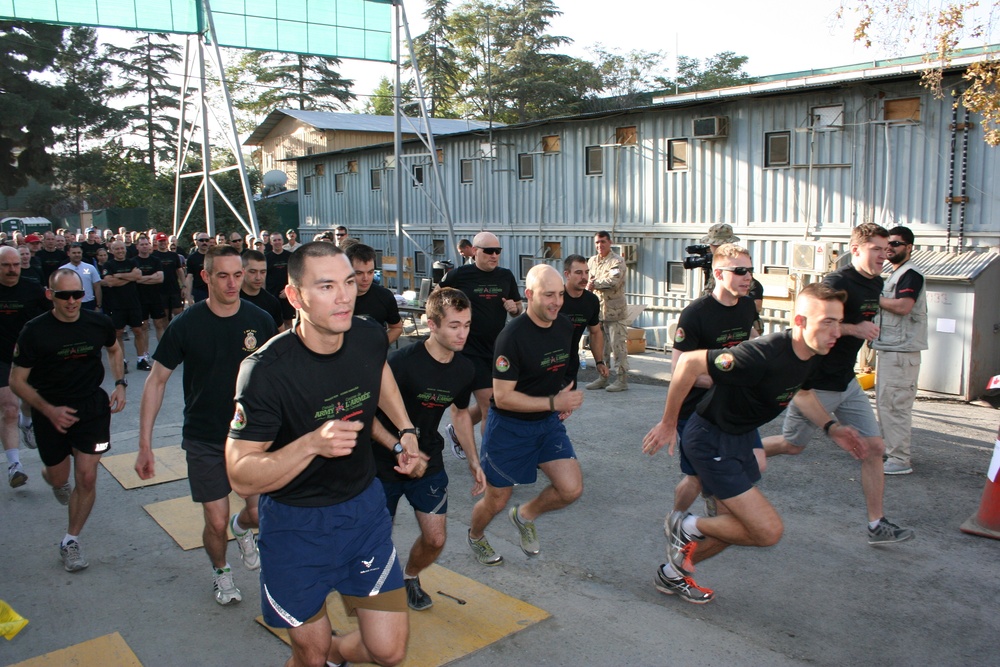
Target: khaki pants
[
  {"x": 895, "y": 391},
  {"x": 616, "y": 342}
]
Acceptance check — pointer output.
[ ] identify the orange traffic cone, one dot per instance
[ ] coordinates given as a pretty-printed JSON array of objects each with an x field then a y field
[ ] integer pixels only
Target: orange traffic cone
[{"x": 986, "y": 522}]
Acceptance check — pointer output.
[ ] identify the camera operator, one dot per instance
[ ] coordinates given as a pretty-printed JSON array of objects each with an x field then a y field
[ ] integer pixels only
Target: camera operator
[{"x": 700, "y": 257}]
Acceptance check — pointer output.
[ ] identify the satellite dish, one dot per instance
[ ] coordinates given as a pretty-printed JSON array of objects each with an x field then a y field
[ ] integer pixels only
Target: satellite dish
[{"x": 275, "y": 178}]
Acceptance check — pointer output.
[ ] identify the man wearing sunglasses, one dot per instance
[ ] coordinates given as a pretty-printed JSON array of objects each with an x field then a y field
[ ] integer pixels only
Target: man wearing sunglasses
[
  {"x": 194, "y": 286},
  {"x": 607, "y": 280},
  {"x": 494, "y": 295},
  {"x": 21, "y": 300},
  {"x": 901, "y": 337},
  {"x": 834, "y": 383},
  {"x": 58, "y": 371}
]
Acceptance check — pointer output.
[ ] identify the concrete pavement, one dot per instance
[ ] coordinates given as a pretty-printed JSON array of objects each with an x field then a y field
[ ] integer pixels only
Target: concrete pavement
[{"x": 822, "y": 596}]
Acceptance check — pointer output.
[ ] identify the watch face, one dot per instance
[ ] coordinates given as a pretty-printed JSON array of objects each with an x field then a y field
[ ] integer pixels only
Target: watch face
[{"x": 397, "y": 448}]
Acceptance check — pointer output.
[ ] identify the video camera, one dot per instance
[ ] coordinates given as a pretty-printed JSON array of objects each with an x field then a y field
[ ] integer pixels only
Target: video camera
[{"x": 699, "y": 257}]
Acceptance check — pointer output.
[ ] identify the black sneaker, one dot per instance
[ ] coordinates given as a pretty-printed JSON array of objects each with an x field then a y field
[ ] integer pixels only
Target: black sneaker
[
  {"x": 682, "y": 587},
  {"x": 416, "y": 597},
  {"x": 143, "y": 365},
  {"x": 887, "y": 532}
]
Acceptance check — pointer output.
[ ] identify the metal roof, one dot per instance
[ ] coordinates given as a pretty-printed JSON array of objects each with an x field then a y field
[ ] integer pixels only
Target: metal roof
[
  {"x": 359, "y": 122},
  {"x": 879, "y": 69},
  {"x": 966, "y": 265}
]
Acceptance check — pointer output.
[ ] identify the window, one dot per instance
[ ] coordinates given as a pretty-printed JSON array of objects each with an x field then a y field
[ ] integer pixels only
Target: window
[
  {"x": 438, "y": 246},
  {"x": 626, "y": 136},
  {"x": 595, "y": 160},
  {"x": 378, "y": 259},
  {"x": 777, "y": 149},
  {"x": 309, "y": 150},
  {"x": 376, "y": 179},
  {"x": 339, "y": 181},
  {"x": 352, "y": 166},
  {"x": 525, "y": 166},
  {"x": 675, "y": 276},
  {"x": 307, "y": 186},
  {"x": 467, "y": 170},
  {"x": 420, "y": 264},
  {"x": 552, "y": 144},
  {"x": 828, "y": 117},
  {"x": 418, "y": 175},
  {"x": 677, "y": 154},
  {"x": 903, "y": 109},
  {"x": 552, "y": 250},
  {"x": 525, "y": 262}
]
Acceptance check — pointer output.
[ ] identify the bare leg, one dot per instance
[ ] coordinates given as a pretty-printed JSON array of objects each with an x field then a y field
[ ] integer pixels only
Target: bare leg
[
  {"x": 873, "y": 478},
  {"x": 214, "y": 535},
  {"x": 428, "y": 546},
  {"x": 566, "y": 485},
  {"x": 381, "y": 638},
  {"x": 81, "y": 501},
  {"x": 751, "y": 521},
  {"x": 487, "y": 507},
  {"x": 686, "y": 492}
]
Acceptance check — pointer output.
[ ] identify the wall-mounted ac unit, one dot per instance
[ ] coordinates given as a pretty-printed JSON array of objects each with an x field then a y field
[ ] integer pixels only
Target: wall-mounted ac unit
[
  {"x": 710, "y": 127},
  {"x": 628, "y": 251},
  {"x": 811, "y": 256}
]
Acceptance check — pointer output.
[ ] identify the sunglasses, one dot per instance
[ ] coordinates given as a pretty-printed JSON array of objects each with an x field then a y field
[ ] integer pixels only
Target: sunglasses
[
  {"x": 896, "y": 244},
  {"x": 491, "y": 251},
  {"x": 236, "y": 240},
  {"x": 202, "y": 240},
  {"x": 341, "y": 234},
  {"x": 738, "y": 270},
  {"x": 66, "y": 295}
]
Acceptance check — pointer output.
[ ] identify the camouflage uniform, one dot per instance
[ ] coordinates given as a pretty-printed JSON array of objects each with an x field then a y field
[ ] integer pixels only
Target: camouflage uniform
[{"x": 608, "y": 276}]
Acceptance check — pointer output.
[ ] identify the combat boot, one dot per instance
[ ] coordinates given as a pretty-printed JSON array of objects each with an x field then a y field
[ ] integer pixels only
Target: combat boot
[{"x": 599, "y": 383}]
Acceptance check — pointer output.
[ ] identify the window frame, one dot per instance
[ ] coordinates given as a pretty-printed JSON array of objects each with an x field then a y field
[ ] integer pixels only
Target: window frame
[
  {"x": 674, "y": 285},
  {"x": 307, "y": 186},
  {"x": 339, "y": 182},
  {"x": 373, "y": 176},
  {"x": 588, "y": 166},
  {"x": 417, "y": 174},
  {"x": 525, "y": 167},
  {"x": 769, "y": 149},
  {"x": 467, "y": 164},
  {"x": 672, "y": 160}
]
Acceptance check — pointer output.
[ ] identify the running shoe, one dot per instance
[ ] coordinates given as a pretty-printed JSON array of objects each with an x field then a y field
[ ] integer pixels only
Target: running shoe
[
  {"x": 456, "y": 447},
  {"x": 893, "y": 467},
  {"x": 62, "y": 493},
  {"x": 72, "y": 556},
  {"x": 16, "y": 475},
  {"x": 225, "y": 589},
  {"x": 247, "y": 543},
  {"x": 28, "y": 436},
  {"x": 529, "y": 536},
  {"x": 484, "y": 552},
  {"x": 680, "y": 545},
  {"x": 887, "y": 532},
  {"x": 416, "y": 597},
  {"x": 143, "y": 365},
  {"x": 683, "y": 587}
]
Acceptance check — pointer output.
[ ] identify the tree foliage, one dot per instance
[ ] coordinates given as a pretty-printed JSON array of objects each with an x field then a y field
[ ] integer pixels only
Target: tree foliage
[
  {"x": 380, "y": 102},
  {"x": 441, "y": 75},
  {"x": 31, "y": 108},
  {"x": 939, "y": 30},
  {"x": 262, "y": 81},
  {"x": 719, "y": 71},
  {"x": 626, "y": 77}
]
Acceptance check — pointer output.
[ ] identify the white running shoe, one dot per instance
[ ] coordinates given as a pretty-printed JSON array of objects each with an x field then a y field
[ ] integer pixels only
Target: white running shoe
[
  {"x": 247, "y": 544},
  {"x": 225, "y": 589}
]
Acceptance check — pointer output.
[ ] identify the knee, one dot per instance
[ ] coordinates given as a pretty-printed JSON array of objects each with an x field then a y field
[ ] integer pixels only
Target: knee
[
  {"x": 86, "y": 482},
  {"x": 434, "y": 541},
  {"x": 876, "y": 449},
  {"x": 9, "y": 412},
  {"x": 572, "y": 492},
  {"x": 388, "y": 656},
  {"x": 770, "y": 534},
  {"x": 216, "y": 524}
]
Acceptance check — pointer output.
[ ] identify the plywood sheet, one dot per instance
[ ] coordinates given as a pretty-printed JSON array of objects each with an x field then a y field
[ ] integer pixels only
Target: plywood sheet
[
  {"x": 107, "y": 651},
  {"x": 171, "y": 465}
]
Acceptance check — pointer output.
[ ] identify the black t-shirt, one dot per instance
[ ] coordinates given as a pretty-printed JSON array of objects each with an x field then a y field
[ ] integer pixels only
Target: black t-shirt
[
  {"x": 195, "y": 263},
  {"x": 378, "y": 304},
  {"x": 428, "y": 387},
  {"x": 65, "y": 357},
  {"x": 90, "y": 251},
  {"x": 18, "y": 304},
  {"x": 536, "y": 357},
  {"x": 126, "y": 296},
  {"x": 909, "y": 285},
  {"x": 149, "y": 266},
  {"x": 583, "y": 312},
  {"x": 707, "y": 324},
  {"x": 285, "y": 390},
  {"x": 837, "y": 368},
  {"x": 753, "y": 382},
  {"x": 32, "y": 273},
  {"x": 131, "y": 251},
  {"x": 211, "y": 349},
  {"x": 485, "y": 290},
  {"x": 50, "y": 261},
  {"x": 277, "y": 271},
  {"x": 170, "y": 261},
  {"x": 266, "y": 302}
]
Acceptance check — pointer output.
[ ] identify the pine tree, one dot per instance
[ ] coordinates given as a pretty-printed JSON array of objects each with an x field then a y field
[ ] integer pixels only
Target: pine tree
[
  {"x": 437, "y": 62},
  {"x": 266, "y": 81}
]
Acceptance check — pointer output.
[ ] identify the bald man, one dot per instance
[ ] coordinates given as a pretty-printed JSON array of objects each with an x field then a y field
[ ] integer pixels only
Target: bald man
[
  {"x": 494, "y": 295},
  {"x": 532, "y": 395}
]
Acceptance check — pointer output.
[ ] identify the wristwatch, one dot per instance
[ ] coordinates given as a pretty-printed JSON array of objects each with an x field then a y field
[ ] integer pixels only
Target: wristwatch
[
  {"x": 122, "y": 383},
  {"x": 414, "y": 431},
  {"x": 397, "y": 449}
]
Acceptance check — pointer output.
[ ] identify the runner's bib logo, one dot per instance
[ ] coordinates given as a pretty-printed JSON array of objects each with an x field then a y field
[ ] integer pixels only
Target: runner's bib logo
[
  {"x": 725, "y": 362},
  {"x": 503, "y": 364},
  {"x": 239, "y": 419}
]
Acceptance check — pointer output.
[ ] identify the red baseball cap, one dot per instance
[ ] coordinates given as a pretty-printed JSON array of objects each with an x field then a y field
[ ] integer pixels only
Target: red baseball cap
[
  {"x": 32, "y": 238},
  {"x": 161, "y": 237}
]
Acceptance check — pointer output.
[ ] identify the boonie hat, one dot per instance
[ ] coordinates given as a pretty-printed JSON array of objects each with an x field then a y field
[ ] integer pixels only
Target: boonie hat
[{"x": 719, "y": 234}]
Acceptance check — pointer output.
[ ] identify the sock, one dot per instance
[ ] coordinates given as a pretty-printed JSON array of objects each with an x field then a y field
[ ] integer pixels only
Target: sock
[
  {"x": 690, "y": 526},
  {"x": 874, "y": 524},
  {"x": 334, "y": 664},
  {"x": 69, "y": 538},
  {"x": 23, "y": 420},
  {"x": 220, "y": 570},
  {"x": 13, "y": 456},
  {"x": 670, "y": 572}
]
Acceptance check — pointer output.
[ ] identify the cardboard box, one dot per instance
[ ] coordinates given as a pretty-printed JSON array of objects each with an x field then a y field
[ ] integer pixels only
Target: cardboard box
[{"x": 636, "y": 340}]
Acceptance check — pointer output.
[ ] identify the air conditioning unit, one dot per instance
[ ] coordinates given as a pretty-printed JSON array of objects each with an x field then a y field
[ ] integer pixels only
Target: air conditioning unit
[
  {"x": 628, "y": 251},
  {"x": 710, "y": 127},
  {"x": 811, "y": 256}
]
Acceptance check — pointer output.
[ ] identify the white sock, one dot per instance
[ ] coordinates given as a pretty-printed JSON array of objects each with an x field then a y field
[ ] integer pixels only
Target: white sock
[
  {"x": 13, "y": 456},
  {"x": 874, "y": 524},
  {"x": 23, "y": 420},
  {"x": 69, "y": 538},
  {"x": 690, "y": 526},
  {"x": 670, "y": 572},
  {"x": 239, "y": 530}
]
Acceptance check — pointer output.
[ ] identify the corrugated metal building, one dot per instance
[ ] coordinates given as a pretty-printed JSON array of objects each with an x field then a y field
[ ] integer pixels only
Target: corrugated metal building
[{"x": 792, "y": 162}]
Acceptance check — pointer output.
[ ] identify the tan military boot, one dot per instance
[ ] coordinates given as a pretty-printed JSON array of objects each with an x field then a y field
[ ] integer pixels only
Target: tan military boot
[
  {"x": 599, "y": 383},
  {"x": 620, "y": 384}
]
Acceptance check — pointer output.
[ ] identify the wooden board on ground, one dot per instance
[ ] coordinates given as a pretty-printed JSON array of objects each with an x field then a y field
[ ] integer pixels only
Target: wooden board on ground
[
  {"x": 183, "y": 519},
  {"x": 107, "y": 651},
  {"x": 171, "y": 465},
  {"x": 448, "y": 630}
]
